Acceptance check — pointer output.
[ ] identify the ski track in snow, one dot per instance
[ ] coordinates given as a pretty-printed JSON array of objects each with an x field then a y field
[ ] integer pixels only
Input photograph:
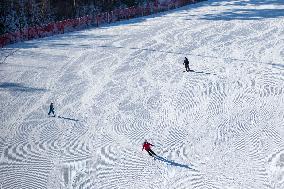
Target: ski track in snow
[{"x": 119, "y": 84}]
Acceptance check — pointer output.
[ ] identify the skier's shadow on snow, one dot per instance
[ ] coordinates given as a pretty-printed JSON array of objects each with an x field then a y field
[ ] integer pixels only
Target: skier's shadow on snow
[
  {"x": 67, "y": 118},
  {"x": 200, "y": 72},
  {"x": 170, "y": 162}
]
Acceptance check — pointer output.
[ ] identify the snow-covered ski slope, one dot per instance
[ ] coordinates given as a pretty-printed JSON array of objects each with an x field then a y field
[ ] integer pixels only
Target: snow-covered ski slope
[{"x": 119, "y": 84}]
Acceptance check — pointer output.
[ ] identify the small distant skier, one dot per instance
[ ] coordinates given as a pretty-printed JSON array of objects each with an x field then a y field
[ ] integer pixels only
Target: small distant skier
[
  {"x": 51, "y": 110},
  {"x": 147, "y": 147},
  {"x": 186, "y": 64}
]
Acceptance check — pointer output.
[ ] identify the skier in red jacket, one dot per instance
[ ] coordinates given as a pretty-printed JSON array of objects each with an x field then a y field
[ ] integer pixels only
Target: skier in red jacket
[{"x": 146, "y": 146}]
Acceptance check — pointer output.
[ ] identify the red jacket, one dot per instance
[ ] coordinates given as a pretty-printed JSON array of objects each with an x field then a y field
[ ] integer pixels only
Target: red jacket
[{"x": 146, "y": 146}]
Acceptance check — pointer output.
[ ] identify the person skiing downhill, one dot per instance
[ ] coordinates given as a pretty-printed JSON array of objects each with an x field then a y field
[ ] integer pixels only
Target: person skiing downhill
[
  {"x": 186, "y": 64},
  {"x": 51, "y": 110},
  {"x": 147, "y": 147}
]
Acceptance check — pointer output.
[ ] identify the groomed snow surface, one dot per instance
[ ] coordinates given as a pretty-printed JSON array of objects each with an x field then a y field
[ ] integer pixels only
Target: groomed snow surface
[{"x": 221, "y": 126}]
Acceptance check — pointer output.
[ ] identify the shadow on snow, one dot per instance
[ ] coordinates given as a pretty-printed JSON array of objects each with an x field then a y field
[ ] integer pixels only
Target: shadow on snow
[
  {"x": 55, "y": 41},
  {"x": 243, "y": 12},
  {"x": 67, "y": 118},
  {"x": 247, "y": 10},
  {"x": 19, "y": 87},
  {"x": 201, "y": 72},
  {"x": 189, "y": 54},
  {"x": 170, "y": 162}
]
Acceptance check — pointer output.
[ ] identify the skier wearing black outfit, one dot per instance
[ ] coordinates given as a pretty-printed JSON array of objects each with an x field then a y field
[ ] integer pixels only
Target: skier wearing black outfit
[
  {"x": 186, "y": 64},
  {"x": 51, "y": 110}
]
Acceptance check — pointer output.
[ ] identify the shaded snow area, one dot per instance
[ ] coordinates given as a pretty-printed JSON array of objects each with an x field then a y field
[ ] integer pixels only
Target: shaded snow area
[{"x": 219, "y": 127}]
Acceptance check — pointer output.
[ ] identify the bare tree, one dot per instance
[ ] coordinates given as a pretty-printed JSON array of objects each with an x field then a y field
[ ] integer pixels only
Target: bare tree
[{"x": 16, "y": 15}]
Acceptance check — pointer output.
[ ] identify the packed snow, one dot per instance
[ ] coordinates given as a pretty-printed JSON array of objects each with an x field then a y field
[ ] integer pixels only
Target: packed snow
[{"x": 221, "y": 126}]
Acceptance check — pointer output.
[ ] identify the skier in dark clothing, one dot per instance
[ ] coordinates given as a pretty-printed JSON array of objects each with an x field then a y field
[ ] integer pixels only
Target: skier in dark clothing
[
  {"x": 51, "y": 110},
  {"x": 146, "y": 146},
  {"x": 186, "y": 64}
]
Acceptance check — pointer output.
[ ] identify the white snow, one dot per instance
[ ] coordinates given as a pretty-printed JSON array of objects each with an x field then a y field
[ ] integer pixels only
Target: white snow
[{"x": 120, "y": 84}]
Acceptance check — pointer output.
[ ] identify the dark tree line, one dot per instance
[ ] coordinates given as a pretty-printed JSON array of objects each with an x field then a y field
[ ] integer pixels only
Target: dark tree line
[{"x": 16, "y": 15}]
